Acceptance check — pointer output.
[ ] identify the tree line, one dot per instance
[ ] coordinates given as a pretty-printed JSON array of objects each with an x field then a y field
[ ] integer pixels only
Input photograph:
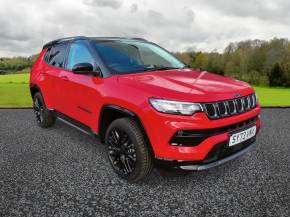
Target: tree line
[
  {"x": 264, "y": 63},
  {"x": 259, "y": 62},
  {"x": 16, "y": 64}
]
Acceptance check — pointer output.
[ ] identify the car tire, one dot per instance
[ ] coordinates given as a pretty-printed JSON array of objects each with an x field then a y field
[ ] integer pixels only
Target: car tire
[
  {"x": 44, "y": 117},
  {"x": 127, "y": 150}
]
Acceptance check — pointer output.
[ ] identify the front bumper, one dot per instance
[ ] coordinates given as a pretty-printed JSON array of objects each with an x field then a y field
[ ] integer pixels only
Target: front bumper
[
  {"x": 218, "y": 162},
  {"x": 162, "y": 127},
  {"x": 219, "y": 155}
]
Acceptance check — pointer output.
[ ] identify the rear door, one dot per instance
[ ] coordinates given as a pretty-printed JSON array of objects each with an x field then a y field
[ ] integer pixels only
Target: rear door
[{"x": 55, "y": 62}]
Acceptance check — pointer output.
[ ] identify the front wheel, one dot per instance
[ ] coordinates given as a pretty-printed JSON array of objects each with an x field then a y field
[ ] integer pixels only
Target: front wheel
[{"x": 127, "y": 150}]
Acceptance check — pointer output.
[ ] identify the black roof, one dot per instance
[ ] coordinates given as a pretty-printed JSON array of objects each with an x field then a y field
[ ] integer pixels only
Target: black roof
[{"x": 61, "y": 40}]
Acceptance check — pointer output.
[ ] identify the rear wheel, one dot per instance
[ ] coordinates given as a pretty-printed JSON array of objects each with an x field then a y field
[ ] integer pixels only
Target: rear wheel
[
  {"x": 44, "y": 117},
  {"x": 127, "y": 150}
]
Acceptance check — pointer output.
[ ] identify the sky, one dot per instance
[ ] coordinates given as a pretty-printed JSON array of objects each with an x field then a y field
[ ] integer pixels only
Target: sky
[{"x": 177, "y": 25}]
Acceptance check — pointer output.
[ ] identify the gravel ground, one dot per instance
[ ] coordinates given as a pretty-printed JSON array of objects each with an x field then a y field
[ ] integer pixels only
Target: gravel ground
[{"x": 63, "y": 172}]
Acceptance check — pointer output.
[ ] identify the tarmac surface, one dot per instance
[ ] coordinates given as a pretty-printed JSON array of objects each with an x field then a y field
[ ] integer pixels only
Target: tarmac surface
[{"x": 63, "y": 172}]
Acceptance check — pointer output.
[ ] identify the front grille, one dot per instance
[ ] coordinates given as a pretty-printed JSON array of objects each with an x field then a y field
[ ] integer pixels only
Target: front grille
[{"x": 228, "y": 108}]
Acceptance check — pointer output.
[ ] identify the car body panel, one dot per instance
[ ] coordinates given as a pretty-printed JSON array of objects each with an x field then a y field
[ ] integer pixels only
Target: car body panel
[{"x": 186, "y": 85}]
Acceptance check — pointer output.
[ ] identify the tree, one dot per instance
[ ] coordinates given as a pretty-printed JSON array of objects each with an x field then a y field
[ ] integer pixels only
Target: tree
[
  {"x": 276, "y": 75},
  {"x": 254, "y": 61}
]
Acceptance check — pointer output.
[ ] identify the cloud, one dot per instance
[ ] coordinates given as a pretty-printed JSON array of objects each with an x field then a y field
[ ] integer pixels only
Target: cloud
[
  {"x": 178, "y": 25},
  {"x": 115, "y": 4},
  {"x": 271, "y": 10},
  {"x": 134, "y": 8},
  {"x": 190, "y": 14}
]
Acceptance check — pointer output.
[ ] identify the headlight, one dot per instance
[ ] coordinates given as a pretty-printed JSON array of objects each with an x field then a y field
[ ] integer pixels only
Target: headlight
[{"x": 175, "y": 107}]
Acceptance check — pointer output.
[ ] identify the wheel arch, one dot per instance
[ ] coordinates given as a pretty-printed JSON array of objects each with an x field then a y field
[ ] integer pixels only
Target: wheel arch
[
  {"x": 109, "y": 113},
  {"x": 34, "y": 89}
]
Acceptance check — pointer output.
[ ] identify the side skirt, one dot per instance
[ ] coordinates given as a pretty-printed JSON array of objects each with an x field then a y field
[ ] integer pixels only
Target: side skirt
[{"x": 74, "y": 123}]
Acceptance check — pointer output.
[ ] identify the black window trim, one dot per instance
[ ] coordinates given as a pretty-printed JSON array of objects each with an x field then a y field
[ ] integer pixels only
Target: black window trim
[
  {"x": 47, "y": 54},
  {"x": 65, "y": 55},
  {"x": 89, "y": 42}
]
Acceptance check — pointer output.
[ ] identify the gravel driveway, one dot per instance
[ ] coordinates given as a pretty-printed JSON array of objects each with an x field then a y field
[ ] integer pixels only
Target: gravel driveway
[{"x": 63, "y": 172}]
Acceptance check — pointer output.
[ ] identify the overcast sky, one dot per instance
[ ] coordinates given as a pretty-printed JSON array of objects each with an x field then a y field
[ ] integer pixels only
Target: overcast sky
[{"x": 174, "y": 24}]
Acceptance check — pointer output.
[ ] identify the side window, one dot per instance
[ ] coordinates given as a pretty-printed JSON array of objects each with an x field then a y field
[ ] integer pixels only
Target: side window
[
  {"x": 79, "y": 53},
  {"x": 46, "y": 56},
  {"x": 56, "y": 56}
]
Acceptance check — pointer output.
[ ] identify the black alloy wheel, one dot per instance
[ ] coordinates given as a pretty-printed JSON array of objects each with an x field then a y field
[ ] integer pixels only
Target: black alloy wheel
[
  {"x": 122, "y": 152},
  {"x": 128, "y": 151},
  {"x": 38, "y": 110}
]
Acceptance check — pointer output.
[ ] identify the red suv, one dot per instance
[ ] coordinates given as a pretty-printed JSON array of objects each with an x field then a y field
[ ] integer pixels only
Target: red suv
[{"x": 144, "y": 104}]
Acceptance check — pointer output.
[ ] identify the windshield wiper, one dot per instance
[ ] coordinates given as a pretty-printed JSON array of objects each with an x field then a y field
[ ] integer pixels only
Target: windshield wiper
[
  {"x": 186, "y": 66},
  {"x": 158, "y": 68}
]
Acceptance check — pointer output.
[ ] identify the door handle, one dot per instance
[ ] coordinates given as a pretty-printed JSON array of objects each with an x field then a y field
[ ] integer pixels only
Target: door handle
[{"x": 65, "y": 78}]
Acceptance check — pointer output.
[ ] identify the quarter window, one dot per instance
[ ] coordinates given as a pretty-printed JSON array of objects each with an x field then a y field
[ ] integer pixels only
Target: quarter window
[{"x": 56, "y": 56}]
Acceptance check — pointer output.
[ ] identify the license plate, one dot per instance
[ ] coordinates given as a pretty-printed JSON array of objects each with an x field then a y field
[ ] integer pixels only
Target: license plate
[{"x": 242, "y": 136}]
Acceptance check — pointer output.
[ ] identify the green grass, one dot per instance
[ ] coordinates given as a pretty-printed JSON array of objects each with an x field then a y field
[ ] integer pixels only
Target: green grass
[
  {"x": 14, "y": 78},
  {"x": 14, "y": 92},
  {"x": 273, "y": 96},
  {"x": 15, "y": 95}
]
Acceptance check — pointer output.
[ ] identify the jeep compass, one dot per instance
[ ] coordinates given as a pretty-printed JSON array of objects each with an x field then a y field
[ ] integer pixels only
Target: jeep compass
[{"x": 144, "y": 104}]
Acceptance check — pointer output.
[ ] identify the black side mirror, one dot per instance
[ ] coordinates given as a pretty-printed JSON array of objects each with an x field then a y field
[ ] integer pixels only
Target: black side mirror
[{"x": 83, "y": 68}]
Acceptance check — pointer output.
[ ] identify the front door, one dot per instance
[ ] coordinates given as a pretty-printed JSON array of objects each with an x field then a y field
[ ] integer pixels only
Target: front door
[{"x": 80, "y": 92}]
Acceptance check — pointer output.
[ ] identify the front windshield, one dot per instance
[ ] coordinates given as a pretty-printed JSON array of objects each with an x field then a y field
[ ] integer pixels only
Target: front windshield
[{"x": 123, "y": 57}]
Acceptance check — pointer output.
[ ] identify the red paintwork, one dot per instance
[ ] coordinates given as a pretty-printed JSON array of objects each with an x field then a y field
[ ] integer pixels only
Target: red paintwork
[{"x": 66, "y": 92}]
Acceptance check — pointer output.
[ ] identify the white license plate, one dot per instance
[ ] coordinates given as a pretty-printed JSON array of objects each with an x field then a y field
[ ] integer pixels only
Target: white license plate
[{"x": 242, "y": 136}]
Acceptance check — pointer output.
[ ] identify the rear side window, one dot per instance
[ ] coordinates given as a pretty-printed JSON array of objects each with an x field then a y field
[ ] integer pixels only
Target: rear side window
[{"x": 55, "y": 56}]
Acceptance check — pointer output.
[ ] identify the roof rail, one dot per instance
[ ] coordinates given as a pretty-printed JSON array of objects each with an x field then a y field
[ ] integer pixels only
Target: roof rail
[
  {"x": 116, "y": 38},
  {"x": 57, "y": 41},
  {"x": 141, "y": 39}
]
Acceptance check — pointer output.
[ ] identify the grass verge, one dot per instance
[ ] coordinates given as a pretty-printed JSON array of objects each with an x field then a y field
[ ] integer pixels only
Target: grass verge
[{"x": 272, "y": 96}]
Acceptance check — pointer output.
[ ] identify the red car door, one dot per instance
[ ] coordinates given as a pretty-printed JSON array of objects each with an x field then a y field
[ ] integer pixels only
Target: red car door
[
  {"x": 79, "y": 92},
  {"x": 53, "y": 66}
]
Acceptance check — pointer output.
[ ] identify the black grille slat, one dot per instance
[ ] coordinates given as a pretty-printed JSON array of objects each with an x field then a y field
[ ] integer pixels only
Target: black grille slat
[
  {"x": 210, "y": 108},
  {"x": 246, "y": 103},
  {"x": 240, "y": 107},
  {"x": 254, "y": 100},
  {"x": 222, "y": 109},
  {"x": 251, "y": 101},
  {"x": 230, "y": 107}
]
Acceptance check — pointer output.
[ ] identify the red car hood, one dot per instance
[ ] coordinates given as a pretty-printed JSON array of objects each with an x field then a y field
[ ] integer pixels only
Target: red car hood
[{"x": 186, "y": 85}]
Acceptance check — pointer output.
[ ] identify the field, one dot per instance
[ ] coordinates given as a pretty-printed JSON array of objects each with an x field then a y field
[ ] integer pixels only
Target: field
[
  {"x": 269, "y": 96},
  {"x": 14, "y": 92}
]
